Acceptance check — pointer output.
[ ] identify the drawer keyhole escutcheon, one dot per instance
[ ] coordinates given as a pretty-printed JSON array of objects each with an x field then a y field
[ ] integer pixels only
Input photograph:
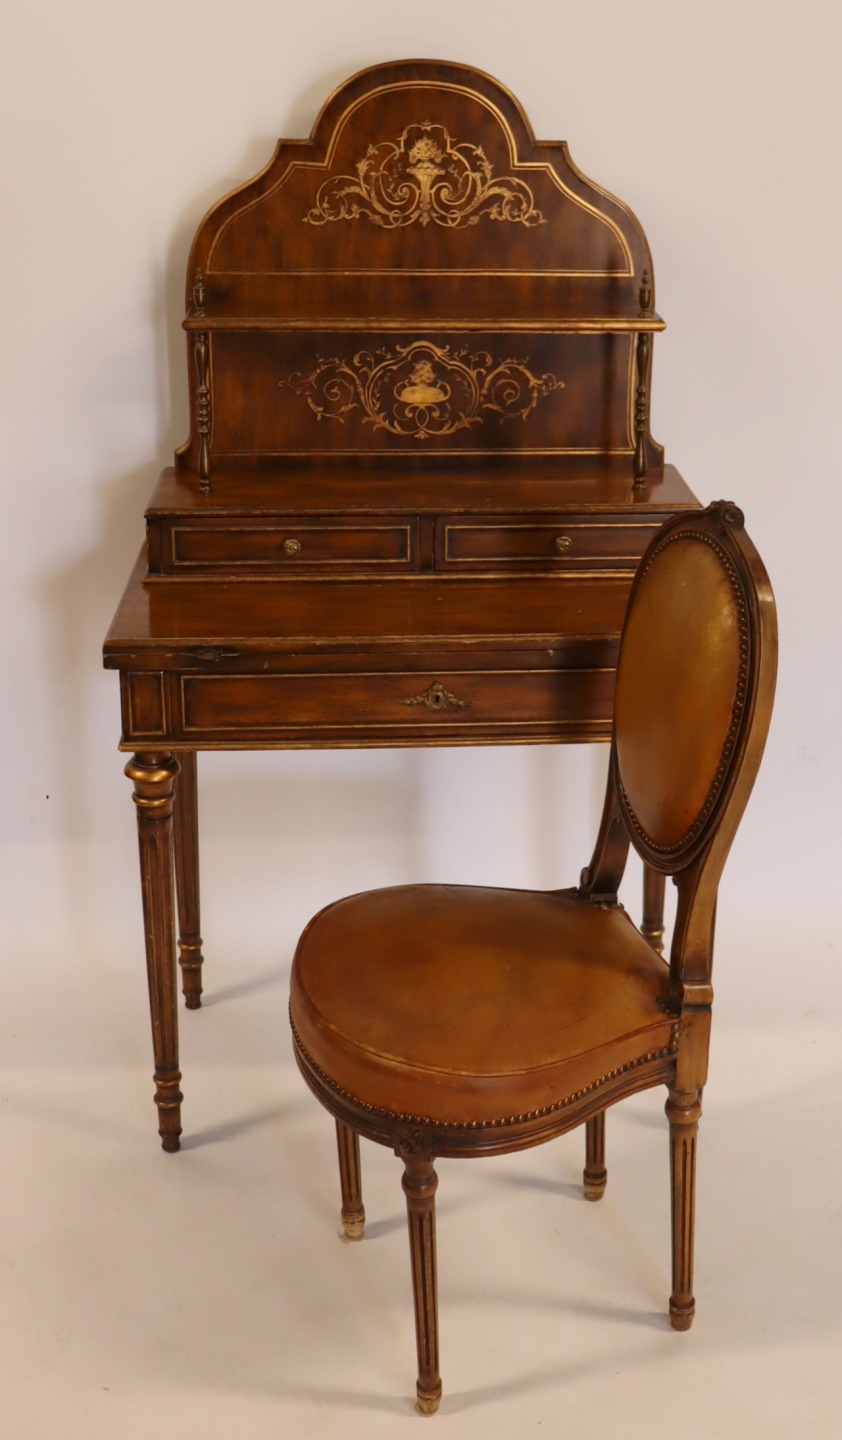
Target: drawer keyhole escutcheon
[
  {"x": 435, "y": 697},
  {"x": 292, "y": 547},
  {"x": 563, "y": 544}
]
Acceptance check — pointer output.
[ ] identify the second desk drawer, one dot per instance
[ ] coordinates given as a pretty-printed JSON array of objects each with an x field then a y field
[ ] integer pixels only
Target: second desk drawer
[
  {"x": 296, "y": 545},
  {"x": 539, "y": 544}
]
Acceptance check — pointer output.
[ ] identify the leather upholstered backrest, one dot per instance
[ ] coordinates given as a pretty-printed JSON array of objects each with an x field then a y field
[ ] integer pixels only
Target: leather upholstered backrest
[{"x": 686, "y": 681}]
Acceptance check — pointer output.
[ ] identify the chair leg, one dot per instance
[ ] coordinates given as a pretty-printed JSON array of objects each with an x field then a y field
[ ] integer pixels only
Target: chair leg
[
  {"x": 353, "y": 1211},
  {"x": 595, "y": 1174},
  {"x": 420, "y": 1183},
  {"x": 683, "y": 1111}
]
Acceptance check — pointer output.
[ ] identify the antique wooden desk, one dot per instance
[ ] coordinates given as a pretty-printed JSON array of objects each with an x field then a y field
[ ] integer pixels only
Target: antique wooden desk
[{"x": 419, "y": 474}]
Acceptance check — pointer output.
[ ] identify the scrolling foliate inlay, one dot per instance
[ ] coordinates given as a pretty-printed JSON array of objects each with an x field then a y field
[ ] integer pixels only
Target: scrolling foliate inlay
[
  {"x": 424, "y": 176},
  {"x": 422, "y": 391}
]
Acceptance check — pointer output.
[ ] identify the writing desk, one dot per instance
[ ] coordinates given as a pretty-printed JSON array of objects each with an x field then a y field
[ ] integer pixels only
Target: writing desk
[{"x": 419, "y": 476}]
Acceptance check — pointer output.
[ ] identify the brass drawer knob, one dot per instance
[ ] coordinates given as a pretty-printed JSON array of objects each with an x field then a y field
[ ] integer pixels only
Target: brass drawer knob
[
  {"x": 563, "y": 544},
  {"x": 292, "y": 547}
]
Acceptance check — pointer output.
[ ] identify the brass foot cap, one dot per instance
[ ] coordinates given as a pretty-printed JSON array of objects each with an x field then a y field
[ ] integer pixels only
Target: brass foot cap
[
  {"x": 427, "y": 1404},
  {"x": 354, "y": 1225},
  {"x": 170, "y": 1143},
  {"x": 594, "y": 1183},
  {"x": 681, "y": 1318}
]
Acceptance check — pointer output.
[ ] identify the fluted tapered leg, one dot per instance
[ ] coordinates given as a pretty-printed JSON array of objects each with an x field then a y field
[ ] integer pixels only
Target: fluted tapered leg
[
  {"x": 153, "y": 775},
  {"x": 596, "y": 1175},
  {"x": 353, "y": 1211},
  {"x": 652, "y": 925},
  {"x": 683, "y": 1111},
  {"x": 186, "y": 830},
  {"x": 420, "y": 1183}
]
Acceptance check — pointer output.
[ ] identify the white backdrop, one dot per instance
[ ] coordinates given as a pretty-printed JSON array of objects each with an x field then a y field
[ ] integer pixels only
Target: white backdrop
[
  {"x": 122, "y": 1269},
  {"x": 719, "y": 125}
]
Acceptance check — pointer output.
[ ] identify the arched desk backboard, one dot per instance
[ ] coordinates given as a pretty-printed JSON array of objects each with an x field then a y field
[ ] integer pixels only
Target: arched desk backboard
[{"x": 420, "y": 279}]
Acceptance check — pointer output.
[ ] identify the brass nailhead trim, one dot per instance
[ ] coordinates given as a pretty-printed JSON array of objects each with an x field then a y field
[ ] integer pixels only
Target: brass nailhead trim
[{"x": 404, "y": 1119}]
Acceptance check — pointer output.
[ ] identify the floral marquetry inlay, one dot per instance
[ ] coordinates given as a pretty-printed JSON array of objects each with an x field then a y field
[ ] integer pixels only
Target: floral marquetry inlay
[
  {"x": 421, "y": 390},
  {"x": 424, "y": 175}
]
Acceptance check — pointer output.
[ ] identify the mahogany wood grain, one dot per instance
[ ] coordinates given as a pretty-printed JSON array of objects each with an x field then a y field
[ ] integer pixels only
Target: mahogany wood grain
[
  {"x": 175, "y": 616},
  {"x": 307, "y": 541},
  {"x": 404, "y": 485}
]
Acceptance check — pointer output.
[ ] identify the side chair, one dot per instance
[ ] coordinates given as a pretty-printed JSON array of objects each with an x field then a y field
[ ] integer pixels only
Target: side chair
[{"x": 462, "y": 1021}]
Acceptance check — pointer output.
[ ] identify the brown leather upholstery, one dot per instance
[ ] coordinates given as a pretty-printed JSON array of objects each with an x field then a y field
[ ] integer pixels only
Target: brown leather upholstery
[
  {"x": 677, "y": 683},
  {"x": 461, "y": 1004}
]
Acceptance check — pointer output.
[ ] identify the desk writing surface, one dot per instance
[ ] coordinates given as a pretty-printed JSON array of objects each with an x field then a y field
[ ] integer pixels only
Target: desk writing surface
[
  {"x": 162, "y": 623},
  {"x": 245, "y": 664}
]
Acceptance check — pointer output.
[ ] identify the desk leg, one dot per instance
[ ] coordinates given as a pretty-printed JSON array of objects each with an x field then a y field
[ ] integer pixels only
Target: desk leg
[
  {"x": 654, "y": 889},
  {"x": 186, "y": 832},
  {"x": 153, "y": 774}
]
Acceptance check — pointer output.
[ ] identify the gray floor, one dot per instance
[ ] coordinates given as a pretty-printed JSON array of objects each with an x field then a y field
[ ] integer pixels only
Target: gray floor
[{"x": 208, "y": 1294}]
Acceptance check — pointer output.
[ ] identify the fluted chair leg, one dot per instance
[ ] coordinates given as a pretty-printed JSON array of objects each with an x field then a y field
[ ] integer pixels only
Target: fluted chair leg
[
  {"x": 353, "y": 1211},
  {"x": 683, "y": 1111},
  {"x": 420, "y": 1183},
  {"x": 595, "y": 1174}
]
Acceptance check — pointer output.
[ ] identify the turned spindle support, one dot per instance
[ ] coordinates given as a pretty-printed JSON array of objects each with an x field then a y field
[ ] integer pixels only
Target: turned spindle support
[
  {"x": 199, "y": 292},
  {"x": 203, "y": 406}
]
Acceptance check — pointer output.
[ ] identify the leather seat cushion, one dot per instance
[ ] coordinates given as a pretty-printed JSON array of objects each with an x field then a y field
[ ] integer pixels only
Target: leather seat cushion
[{"x": 460, "y": 1005}]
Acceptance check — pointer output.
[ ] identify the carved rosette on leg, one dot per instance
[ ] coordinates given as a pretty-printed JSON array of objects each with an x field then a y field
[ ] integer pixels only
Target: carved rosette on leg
[
  {"x": 595, "y": 1175},
  {"x": 350, "y": 1179},
  {"x": 186, "y": 833},
  {"x": 683, "y": 1111},
  {"x": 153, "y": 776},
  {"x": 420, "y": 1183}
]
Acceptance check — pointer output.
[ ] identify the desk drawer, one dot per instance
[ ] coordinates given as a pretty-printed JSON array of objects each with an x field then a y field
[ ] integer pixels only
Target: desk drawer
[
  {"x": 506, "y": 543},
  {"x": 400, "y": 707},
  {"x": 305, "y": 544}
]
